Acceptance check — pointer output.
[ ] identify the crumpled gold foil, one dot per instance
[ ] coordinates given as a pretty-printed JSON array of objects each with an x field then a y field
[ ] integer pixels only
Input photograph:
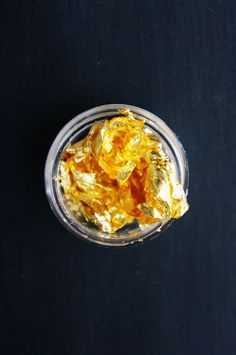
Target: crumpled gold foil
[{"x": 119, "y": 173}]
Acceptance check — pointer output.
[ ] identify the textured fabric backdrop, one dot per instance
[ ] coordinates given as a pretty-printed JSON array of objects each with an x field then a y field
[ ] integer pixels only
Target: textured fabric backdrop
[{"x": 174, "y": 295}]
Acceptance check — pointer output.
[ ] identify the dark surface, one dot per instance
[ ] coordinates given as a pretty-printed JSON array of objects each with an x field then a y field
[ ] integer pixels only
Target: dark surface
[{"x": 176, "y": 294}]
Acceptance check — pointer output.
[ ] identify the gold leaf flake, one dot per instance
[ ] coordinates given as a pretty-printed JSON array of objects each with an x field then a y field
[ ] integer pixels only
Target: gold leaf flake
[{"x": 119, "y": 173}]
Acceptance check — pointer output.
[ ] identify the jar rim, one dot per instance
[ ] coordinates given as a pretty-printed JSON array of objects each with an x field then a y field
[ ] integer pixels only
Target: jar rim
[{"x": 63, "y": 138}]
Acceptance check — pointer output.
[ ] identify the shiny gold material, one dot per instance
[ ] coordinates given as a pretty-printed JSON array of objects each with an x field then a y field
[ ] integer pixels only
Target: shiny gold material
[{"x": 119, "y": 173}]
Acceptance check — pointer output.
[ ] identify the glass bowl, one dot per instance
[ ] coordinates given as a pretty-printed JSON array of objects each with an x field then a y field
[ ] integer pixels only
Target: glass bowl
[{"x": 75, "y": 130}]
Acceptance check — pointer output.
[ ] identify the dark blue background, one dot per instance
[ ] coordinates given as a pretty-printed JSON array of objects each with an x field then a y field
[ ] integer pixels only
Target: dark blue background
[{"x": 175, "y": 295}]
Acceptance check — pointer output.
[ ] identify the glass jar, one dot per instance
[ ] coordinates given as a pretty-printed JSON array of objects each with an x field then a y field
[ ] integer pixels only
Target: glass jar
[{"x": 75, "y": 130}]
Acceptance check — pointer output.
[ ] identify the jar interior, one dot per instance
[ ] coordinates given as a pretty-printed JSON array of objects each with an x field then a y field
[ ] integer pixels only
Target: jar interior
[{"x": 128, "y": 232}]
